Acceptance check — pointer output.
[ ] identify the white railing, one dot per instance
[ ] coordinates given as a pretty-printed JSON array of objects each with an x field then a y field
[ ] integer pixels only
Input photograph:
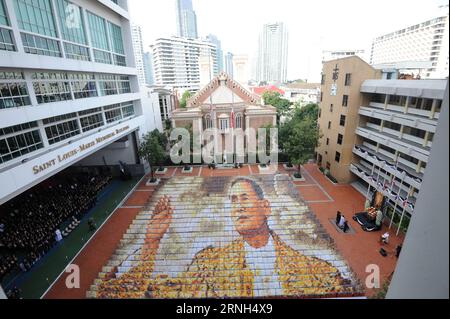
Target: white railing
[
  {"x": 371, "y": 180},
  {"x": 371, "y": 157}
]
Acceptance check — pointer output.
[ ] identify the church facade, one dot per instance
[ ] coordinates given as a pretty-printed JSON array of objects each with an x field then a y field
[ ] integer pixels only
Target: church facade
[{"x": 227, "y": 107}]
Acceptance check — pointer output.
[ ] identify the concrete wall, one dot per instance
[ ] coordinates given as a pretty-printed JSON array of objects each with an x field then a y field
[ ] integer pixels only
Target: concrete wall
[
  {"x": 359, "y": 71},
  {"x": 422, "y": 269}
]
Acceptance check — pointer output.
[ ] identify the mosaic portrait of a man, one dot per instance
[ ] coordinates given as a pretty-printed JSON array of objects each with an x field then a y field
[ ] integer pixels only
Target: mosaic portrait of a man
[{"x": 226, "y": 237}]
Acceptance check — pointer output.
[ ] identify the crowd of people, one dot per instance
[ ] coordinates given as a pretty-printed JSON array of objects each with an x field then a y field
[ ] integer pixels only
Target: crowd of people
[{"x": 31, "y": 222}]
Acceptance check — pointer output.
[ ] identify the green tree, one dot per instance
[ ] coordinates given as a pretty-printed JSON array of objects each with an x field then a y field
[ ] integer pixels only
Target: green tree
[
  {"x": 310, "y": 111},
  {"x": 186, "y": 95},
  {"x": 152, "y": 149},
  {"x": 302, "y": 141},
  {"x": 276, "y": 100}
]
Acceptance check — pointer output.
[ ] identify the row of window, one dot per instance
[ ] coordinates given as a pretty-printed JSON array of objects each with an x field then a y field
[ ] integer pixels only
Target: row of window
[
  {"x": 224, "y": 123},
  {"x": 36, "y": 19},
  {"x": 18, "y": 140},
  {"x": 347, "y": 81},
  {"x": 341, "y": 121},
  {"x": 340, "y": 139},
  {"x": 59, "y": 86}
]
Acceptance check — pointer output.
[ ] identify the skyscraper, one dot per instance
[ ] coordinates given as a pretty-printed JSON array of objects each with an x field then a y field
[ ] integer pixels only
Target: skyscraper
[
  {"x": 426, "y": 41},
  {"x": 138, "y": 48},
  {"x": 186, "y": 19},
  {"x": 178, "y": 61},
  {"x": 214, "y": 40},
  {"x": 272, "y": 53},
  {"x": 229, "y": 64},
  {"x": 148, "y": 67}
]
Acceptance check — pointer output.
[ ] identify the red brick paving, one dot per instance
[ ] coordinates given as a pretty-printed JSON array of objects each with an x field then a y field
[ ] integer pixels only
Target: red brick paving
[
  {"x": 312, "y": 193},
  {"x": 359, "y": 249}
]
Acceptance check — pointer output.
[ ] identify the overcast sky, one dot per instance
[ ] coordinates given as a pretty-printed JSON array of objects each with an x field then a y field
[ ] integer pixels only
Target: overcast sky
[{"x": 313, "y": 25}]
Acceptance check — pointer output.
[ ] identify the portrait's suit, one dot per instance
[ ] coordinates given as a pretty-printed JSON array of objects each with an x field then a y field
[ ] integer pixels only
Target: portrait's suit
[{"x": 223, "y": 272}]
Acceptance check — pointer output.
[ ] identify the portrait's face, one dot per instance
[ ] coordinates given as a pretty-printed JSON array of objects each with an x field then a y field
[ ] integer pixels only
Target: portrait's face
[{"x": 249, "y": 213}]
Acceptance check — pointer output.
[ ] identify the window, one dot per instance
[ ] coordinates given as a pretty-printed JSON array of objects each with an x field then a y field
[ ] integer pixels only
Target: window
[
  {"x": 238, "y": 121},
  {"x": 6, "y": 40},
  {"x": 34, "y": 44},
  {"x": 18, "y": 140},
  {"x": 35, "y": 16},
  {"x": 224, "y": 124},
  {"x": 127, "y": 109},
  {"x": 83, "y": 85},
  {"x": 76, "y": 52},
  {"x": 331, "y": 107},
  {"x": 123, "y": 84},
  {"x": 3, "y": 17},
  {"x": 113, "y": 113},
  {"x": 342, "y": 120},
  {"x": 51, "y": 87},
  {"x": 102, "y": 57},
  {"x": 344, "y": 100},
  {"x": 320, "y": 113},
  {"x": 99, "y": 36},
  {"x": 71, "y": 22},
  {"x": 117, "y": 44},
  {"x": 391, "y": 125},
  {"x": 208, "y": 122},
  {"x": 337, "y": 157},
  {"x": 107, "y": 84},
  {"x": 328, "y": 141},
  {"x": 13, "y": 90},
  {"x": 329, "y": 124},
  {"x": 322, "y": 81},
  {"x": 348, "y": 79},
  {"x": 339, "y": 139},
  {"x": 62, "y": 131},
  {"x": 91, "y": 122}
]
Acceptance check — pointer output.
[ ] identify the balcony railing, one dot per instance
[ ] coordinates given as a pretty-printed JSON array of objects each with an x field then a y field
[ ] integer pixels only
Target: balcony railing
[
  {"x": 371, "y": 180},
  {"x": 388, "y": 166}
]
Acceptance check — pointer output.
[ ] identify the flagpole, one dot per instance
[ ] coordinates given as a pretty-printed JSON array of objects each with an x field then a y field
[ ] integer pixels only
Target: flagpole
[
  {"x": 232, "y": 123},
  {"x": 404, "y": 208},
  {"x": 371, "y": 174}
]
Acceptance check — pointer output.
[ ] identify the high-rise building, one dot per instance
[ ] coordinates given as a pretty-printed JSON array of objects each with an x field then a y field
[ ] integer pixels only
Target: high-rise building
[
  {"x": 328, "y": 55},
  {"x": 69, "y": 89},
  {"x": 213, "y": 39},
  {"x": 186, "y": 19},
  {"x": 138, "y": 47},
  {"x": 176, "y": 61},
  {"x": 272, "y": 54},
  {"x": 241, "y": 69},
  {"x": 228, "y": 61},
  {"x": 426, "y": 41},
  {"x": 148, "y": 67},
  {"x": 378, "y": 132},
  {"x": 394, "y": 137},
  {"x": 339, "y": 103}
]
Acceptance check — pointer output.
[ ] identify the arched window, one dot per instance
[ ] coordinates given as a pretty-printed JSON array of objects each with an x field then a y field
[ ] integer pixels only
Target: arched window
[
  {"x": 238, "y": 121},
  {"x": 208, "y": 121}
]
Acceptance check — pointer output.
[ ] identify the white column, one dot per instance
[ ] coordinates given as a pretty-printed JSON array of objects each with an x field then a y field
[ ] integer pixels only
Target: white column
[{"x": 58, "y": 29}]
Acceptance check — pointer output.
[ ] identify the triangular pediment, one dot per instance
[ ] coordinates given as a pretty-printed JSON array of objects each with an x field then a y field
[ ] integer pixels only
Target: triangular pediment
[
  {"x": 223, "y": 94},
  {"x": 222, "y": 90}
]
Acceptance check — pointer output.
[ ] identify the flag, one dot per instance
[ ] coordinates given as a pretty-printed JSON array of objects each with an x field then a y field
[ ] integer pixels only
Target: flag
[{"x": 232, "y": 117}]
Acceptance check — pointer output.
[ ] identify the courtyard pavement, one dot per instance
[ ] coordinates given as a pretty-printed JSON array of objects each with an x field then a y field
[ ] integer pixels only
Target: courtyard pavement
[{"x": 324, "y": 198}]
